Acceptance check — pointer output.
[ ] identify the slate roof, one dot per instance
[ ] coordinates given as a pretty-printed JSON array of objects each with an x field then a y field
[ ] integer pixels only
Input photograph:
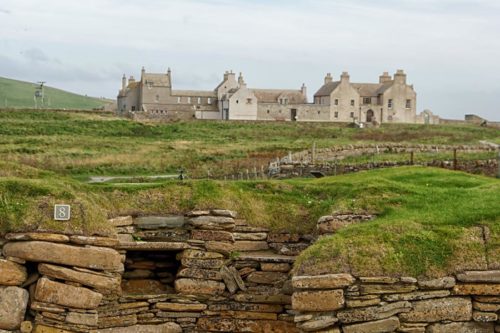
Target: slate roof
[
  {"x": 273, "y": 95},
  {"x": 327, "y": 89}
]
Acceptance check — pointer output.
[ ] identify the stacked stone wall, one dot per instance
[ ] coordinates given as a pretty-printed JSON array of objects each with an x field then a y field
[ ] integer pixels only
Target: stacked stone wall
[
  {"x": 209, "y": 271},
  {"x": 463, "y": 303},
  {"x": 206, "y": 271}
]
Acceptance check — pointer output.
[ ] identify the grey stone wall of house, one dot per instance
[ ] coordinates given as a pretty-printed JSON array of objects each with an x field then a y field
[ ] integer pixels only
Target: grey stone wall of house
[{"x": 391, "y": 100}]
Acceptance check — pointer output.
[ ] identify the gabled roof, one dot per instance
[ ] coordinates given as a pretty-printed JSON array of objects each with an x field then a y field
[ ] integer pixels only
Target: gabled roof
[
  {"x": 272, "y": 95},
  {"x": 327, "y": 89},
  {"x": 157, "y": 79}
]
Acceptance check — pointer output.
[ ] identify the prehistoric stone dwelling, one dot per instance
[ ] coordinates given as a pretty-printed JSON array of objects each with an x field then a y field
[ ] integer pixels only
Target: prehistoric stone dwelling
[
  {"x": 391, "y": 100},
  {"x": 209, "y": 271}
]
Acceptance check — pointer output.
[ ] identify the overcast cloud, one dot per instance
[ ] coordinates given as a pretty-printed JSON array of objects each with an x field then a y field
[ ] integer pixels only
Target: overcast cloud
[{"x": 449, "y": 48}]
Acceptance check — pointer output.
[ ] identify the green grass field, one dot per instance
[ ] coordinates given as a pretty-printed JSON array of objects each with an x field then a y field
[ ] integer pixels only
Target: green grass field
[
  {"x": 80, "y": 145},
  {"x": 428, "y": 220},
  {"x": 19, "y": 94}
]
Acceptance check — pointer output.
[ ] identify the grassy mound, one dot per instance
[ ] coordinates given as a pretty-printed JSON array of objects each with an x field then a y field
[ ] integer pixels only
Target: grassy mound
[
  {"x": 19, "y": 94},
  {"x": 430, "y": 222}
]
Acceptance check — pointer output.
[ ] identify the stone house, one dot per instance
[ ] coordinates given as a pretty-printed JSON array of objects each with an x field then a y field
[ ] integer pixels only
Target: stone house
[{"x": 391, "y": 100}]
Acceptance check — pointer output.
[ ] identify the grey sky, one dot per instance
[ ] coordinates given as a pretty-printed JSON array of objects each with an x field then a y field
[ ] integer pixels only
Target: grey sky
[{"x": 449, "y": 48}]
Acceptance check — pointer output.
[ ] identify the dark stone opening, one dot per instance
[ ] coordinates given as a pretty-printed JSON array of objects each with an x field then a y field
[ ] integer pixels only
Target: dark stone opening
[{"x": 150, "y": 272}]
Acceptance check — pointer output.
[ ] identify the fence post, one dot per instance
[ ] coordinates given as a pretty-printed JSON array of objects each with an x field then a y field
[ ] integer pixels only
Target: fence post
[
  {"x": 455, "y": 159},
  {"x": 313, "y": 152},
  {"x": 498, "y": 163}
]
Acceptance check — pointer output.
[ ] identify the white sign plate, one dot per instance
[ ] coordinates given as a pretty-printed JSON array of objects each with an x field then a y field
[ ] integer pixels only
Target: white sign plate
[{"x": 62, "y": 212}]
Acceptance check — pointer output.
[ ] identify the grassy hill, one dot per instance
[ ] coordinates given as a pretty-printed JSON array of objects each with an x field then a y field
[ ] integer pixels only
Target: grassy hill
[{"x": 19, "y": 94}]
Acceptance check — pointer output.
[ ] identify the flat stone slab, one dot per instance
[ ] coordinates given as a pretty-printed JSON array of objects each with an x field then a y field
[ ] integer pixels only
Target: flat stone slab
[
  {"x": 153, "y": 246},
  {"x": 328, "y": 281},
  {"x": 53, "y": 292},
  {"x": 156, "y": 222},
  {"x": 102, "y": 283},
  {"x": 480, "y": 276},
  {"x": 87, "y": 257},
  {"x": 162, "y": 328},
  {"x": 266, "y": 256}
]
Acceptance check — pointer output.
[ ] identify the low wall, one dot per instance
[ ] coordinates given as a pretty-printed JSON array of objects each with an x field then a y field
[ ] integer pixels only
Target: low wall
[
  {"x": 206, "y": 271},
  {"x": 483, "y": 167},
  {"x": 464, "y": 303}
]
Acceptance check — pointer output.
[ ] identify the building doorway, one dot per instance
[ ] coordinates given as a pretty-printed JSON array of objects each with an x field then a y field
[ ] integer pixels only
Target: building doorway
[
  {"x": 293, "y": 114},
  {"x": 369, "y": 116}
]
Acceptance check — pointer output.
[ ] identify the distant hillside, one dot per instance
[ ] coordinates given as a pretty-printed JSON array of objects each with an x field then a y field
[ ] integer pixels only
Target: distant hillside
[{"x": 20, "y": 94}]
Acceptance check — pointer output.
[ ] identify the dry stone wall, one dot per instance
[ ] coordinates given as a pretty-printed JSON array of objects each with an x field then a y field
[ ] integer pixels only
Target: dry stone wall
[
  {"x": 464, "y": 303},
  {"x": 209, "y": 271},
  {"x": 206, "y": 271}
]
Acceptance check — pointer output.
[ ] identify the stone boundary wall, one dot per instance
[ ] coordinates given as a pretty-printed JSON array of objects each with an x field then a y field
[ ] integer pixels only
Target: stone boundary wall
[
  {"x": 484, "y": 167},
  {"x": 465, "y": 303},
  {"x": 339, "y": 152},
  {"x": 226, "y": 277}
]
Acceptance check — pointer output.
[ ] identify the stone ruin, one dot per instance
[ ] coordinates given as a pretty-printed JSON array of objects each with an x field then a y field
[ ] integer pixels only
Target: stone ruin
[{"x": 209, "y": 271}]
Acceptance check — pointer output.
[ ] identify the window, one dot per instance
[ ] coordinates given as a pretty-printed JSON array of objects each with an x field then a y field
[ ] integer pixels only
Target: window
[
  {"x": 408, "y": 103},
  {"x": 389, "y": 104},
  {"x": 189, "y": 100},
  {"x": 209, "y": 100},
  {"x": 133, "y": 108},
  {"x": 178, "y": 100},
  {"x": 352, "y": 114},
  {"x": 367, "y": 100},
  {"x": 336, "y": 102},
  {"x": 268, "y": 111},
  {"x": 352, "y": 102},
  {"x": 199, "y": 100},
  {"x": 336, "y": 114},
  {"x": 249, "y": 101},
  {"x": 319, "y": 112},
  {"x": 157, "y": 98},
  {"x": 237, "y": 101}
]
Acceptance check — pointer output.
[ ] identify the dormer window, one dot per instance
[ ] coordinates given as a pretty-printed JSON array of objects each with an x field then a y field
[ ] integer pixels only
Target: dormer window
[{"x": 367, "y": 100}]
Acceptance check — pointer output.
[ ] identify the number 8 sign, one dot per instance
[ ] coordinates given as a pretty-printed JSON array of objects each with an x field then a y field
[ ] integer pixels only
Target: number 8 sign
[{"x": 62, "y": 212}]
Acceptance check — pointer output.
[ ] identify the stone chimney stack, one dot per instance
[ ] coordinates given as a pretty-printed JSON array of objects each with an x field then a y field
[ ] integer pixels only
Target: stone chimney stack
[
  {"x": 131, "y": 79},
  {"x": 124, "y": 82},
  {"x": 385, "y": 77},
  {"x": 344, "y": 77},
  {"x": 241, "y": 81},
  {"x": 303, "y": 90},
  {"x": 400, "y": 77},
  {"x": 231, "y": 75},
  {"x": 328, "y": 78},
  {"x": 143, "y": 71}
]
